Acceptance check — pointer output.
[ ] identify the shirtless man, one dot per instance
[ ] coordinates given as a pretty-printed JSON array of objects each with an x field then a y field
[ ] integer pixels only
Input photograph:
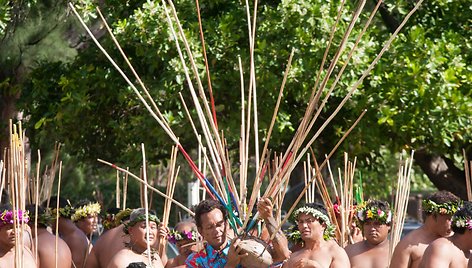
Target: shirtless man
[
  {"x": 454, "y": 251},
  {"x": 85, "y": 217},
  {"x": 375, "y": 218},
  {"x": 184, "y": 236},
  {"x": 313, "y": 222},
  {"x": 136, "y": 251},
  {"x": 73, "y": 236},
  {"x": 438, "y": 208},
  {"x": 110, "y": 242},
  {"x": 7, "y": 240},
  {"x": 47, "y": 241}
]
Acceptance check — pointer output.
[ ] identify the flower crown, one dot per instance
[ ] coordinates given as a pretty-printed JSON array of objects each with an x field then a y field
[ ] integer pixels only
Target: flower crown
[
  {"x": 366, "y": 212},
  {"x": 462, "y": 222},
  {"x": 108, "y": 221},
  {"x": 7, "y": 217},
  {"x": 45, "y": 218},
  {"x": 65, "y": 212},
  {"x": 175, "y": 236},
  {"x": 85, "y": 211},
  {"x": 329, "y": 230},
  {"x": 140, "y": 218},
  {"x": 448, "y": 208},
  {"x": 122, "y": 215}
]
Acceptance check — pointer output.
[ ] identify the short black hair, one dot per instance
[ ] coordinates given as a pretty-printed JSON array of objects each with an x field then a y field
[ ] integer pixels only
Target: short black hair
[
  {"x": 465, "y": 213},
  {"x": 31, "y": 208},
  {"x": 442, "y": 197},
  {"x": 53, "y": 200},
  {"x": 206, "y": 206}
]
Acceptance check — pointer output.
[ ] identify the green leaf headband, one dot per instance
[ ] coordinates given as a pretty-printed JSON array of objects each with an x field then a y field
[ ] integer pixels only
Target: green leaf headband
[
  {"x": 329, "y": 230},
  {"x": 64, "y": 212},
  {"x": 44, "y": 219},
  {"x": 431, "y": 207},
  {"x": 140, "y": 218},
  {"x": 84, "y": 211},
  {"x": 373, "y": 213}
]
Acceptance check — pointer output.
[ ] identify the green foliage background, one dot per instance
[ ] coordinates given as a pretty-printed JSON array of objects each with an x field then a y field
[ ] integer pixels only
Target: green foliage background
[{"x": 417, "y": 97}]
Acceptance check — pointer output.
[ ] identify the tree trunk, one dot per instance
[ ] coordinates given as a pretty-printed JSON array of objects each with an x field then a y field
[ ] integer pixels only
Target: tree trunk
[{"x": 443, "y": 173}]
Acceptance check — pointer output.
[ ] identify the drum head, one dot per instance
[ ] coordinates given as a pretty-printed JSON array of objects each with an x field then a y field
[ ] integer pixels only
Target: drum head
[{"x": 259, "y": 255}]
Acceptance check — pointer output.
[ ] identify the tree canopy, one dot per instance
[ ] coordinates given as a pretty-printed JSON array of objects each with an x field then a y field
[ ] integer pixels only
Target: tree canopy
[{"x": 417, "y": 97}]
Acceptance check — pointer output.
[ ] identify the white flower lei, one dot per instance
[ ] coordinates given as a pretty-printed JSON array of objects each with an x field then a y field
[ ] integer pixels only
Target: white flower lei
[
  {"x": 462, "y": 222},
  {"x": 329, "y": 230},
  {"x": 314, "y": 212}
]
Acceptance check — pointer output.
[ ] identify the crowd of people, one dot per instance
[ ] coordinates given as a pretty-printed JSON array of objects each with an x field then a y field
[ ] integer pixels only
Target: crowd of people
[{"x": 133, "y": 237}]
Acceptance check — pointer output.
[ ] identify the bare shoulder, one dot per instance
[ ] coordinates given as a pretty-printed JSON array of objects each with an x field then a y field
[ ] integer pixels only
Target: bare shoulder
[
  {"x": 441, "y": 246},
  {"x": 355, "y": 249},
  {"x": 440, "y": 253},
  {"x": 121, "y": 259},
  {"x": 339, "y": 255}
]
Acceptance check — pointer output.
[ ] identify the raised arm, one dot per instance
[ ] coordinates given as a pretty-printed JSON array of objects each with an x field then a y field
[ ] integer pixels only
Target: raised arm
[{"x": 280, "y": 243}]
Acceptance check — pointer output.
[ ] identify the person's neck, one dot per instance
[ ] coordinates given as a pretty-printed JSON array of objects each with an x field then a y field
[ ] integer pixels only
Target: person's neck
[
  {"x": 4, "y": 249},
  {"x": 137, "y": 249},
  {"x": 381, "y": 244},
  {"x": 462, "y": 241},
  {"x": 220, "y": 247},
  {"x": 430, "y": 226},
  {"x": 313, "y": 244},
  {"x": 66, "y": 226}
]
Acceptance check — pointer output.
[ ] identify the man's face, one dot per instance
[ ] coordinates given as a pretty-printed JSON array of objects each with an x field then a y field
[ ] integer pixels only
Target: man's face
[
  {"x": 7, "y": 235},
  {"x": 88, "y": 225},
  {"x": 375, "y": 232},
  {"x": 213, "y": 228},
  {"x": 310, "y": 228},
  {"x": 137, "y": 234},
  {"x": 443, "y": 224}
]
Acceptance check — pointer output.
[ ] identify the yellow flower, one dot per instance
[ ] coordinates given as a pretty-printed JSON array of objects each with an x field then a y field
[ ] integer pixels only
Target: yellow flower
[{"x": 370, "y": 215}]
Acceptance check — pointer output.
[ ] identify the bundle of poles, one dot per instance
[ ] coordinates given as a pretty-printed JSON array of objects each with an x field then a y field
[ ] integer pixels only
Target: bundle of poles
[
  {"x": 23, "y": 189},
  {"x": 222, "y": 186},
  {"x": 468, "y": 175}
]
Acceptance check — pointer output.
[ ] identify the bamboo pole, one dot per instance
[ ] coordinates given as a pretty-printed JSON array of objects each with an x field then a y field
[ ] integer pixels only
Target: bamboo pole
[
  {"x": 57, "y": 215},
  {"x": 36, "y": 207},
  {"x": 149, "y": 186},
  {"x": 117, "y": 197},
  {"x": 125, "y": 187},
  {"x": 468, "y": 177},
  {"x": 146, "y": 208},
  {"x": 401, "y": 202}
]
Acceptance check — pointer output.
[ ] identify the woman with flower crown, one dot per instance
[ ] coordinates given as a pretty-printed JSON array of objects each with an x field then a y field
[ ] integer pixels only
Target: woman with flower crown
[
  {"x": 374, "y": 218},
  {"x": 453, "y": 251},
  {"x": 136, "y": 251},
  {"x": 7, "y": 238},
  {"x": 318, "y": 250},
  {"x": 438, "y": 209},
  {"x": 185, "y": 236}
]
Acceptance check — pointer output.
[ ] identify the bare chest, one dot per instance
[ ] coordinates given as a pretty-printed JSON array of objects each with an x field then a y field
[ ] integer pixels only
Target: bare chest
[
  {"x": 322, "y": 256},
  {"x": 374, "y": 258}
]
